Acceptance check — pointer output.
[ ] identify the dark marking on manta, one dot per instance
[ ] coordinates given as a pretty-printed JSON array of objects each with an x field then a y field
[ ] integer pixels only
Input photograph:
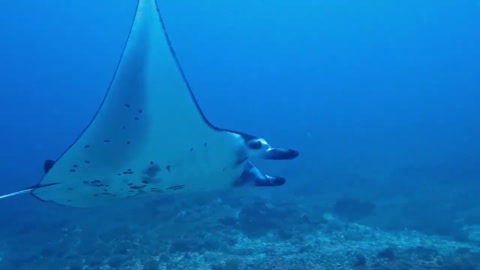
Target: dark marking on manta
[
  {"x": 140, "y": 111},
  {"x": 152, "y": 171},
  {"x": 86, "y": 146},
  {"x": 87, "y": 161},
  {"x": 176, "y": 187},
  {"x": 138, "y": 187},
  {"x": 75, "y": 165},
  {"x": 151, "y": 179},
  {"x": 126, "y": 105},
  {"x": 96, "y": 183},
  {"x": 128, "y": 142},
  {"x": 72, "y": 170},
  {"x": 136, "y": 118},
  {"x": 107, "y": 140},
  {"x": 169, "y": 168}
]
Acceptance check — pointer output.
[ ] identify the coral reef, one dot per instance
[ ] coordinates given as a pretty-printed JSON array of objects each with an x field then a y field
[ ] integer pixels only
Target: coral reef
[{"x": 252, "y": 233}]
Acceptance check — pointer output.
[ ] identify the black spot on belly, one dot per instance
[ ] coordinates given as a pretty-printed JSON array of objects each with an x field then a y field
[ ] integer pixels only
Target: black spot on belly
[
  {"x": 128, "y": 142},
  {"x": 86, "y": 146},
  {"x": 140, "y": 111},
  {"x": 72, "y": 170},
  {"x": 107, "y": 140},
  {"x": 124, "y": 127},
  {"x": 151, "y": 180},
  {"x": 87, "y": 161},
  {"x": 136, "y": 118},
  {"x": 126, "y": 105},
  {"x": 152, "y": 170},
  {"x": 75, "y": 165},
  {"x": 191, "y": 149},
  {"x": 204, "y": 144},
  {"x": 138, "y": 187},
  {"x": 176, "y": 187},
  {"x": 96, "y": 183},
  {"x": 169, "y": 168}
]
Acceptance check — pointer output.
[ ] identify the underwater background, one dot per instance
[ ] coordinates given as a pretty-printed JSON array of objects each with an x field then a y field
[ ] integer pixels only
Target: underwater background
[{"x": 381, "y": 98}]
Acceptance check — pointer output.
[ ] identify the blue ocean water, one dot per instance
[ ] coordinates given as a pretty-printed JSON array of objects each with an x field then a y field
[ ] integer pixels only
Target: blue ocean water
[{"x": 381, "y": 98}]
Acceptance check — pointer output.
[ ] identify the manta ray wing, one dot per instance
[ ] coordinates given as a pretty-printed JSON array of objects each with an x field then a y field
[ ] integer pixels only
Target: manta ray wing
[{"x": 149, "y": 135}]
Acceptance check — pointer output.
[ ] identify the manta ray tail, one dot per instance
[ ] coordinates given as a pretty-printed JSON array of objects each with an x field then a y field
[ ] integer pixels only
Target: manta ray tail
[
  {"x": 25, "y": 190},
  {"x": 46, "y": 167}
]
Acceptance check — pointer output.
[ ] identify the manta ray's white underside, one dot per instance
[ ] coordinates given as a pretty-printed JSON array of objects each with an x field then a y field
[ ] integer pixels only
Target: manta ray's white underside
[{"x": 149, "y": 135}]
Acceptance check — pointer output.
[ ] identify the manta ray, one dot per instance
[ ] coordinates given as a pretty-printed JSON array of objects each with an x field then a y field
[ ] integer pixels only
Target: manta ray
[{"x": 149, "y": 135}]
